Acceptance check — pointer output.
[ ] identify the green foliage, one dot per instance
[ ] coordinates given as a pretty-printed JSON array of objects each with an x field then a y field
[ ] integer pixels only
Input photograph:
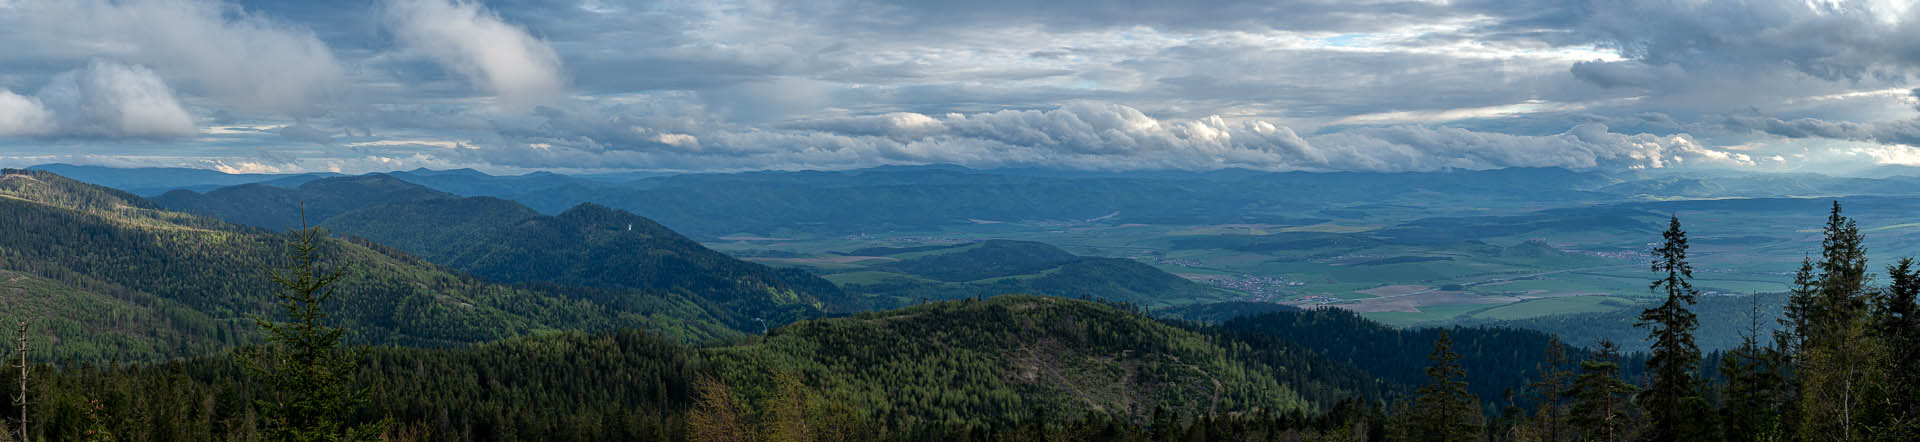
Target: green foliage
[
  {"x": 991, "y": 363},
  {"x": 125, "y": 281},
  {"x": 1897, "y": 321},
  {"x": 1601, "y": 409},
  {"x": 1447, "y": 412},
  {"x": 304, "y": 369},
  {"x": 1672, "y": 399},
  {"x": 1840, "y": 381},
  {"x": 1495, "y": 358},
  {"x": 568, "y": 387}
]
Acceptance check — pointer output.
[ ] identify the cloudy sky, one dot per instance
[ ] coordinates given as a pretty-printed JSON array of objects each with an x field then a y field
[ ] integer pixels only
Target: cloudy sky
[{"x": 588, "y": 85}]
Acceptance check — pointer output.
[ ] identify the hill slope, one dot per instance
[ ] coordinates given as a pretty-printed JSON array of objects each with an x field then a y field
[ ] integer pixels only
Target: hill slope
[
  {"x": 186, "y": 284},
  {"x": 590, "y": 246},
  {"x": 982, "y": 366},
  {"x": 997, "y": 360}
]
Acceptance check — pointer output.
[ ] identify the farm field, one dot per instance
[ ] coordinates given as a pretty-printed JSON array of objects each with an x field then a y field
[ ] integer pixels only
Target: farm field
[{"x": 1396, "y": 269}]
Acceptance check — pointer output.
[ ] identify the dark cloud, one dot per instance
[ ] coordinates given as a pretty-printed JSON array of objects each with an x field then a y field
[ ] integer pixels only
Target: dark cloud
[{"x": 1900, "y": 132}]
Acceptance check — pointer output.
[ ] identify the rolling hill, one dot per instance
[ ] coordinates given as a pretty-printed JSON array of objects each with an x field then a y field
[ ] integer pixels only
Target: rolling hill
[
  {"x": 181, "y": 284},
  {"x": 593, "y": 247},
  {"x": 612, "y": 257},
  {"x": 277, "y": 208}
]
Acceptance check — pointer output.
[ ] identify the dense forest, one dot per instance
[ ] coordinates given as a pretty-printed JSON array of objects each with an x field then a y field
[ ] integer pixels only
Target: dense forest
[{"x": 316, "y": 362}]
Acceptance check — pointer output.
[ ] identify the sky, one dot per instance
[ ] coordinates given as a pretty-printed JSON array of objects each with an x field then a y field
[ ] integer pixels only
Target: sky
[{"x": 1316, "y": 85}]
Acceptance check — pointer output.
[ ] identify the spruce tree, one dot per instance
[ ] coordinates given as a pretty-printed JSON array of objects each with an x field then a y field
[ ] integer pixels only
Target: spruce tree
[
  {"x": 306, "y": 373},
  {"x": 1838, "y": 377},
  {"x": 1601, "y": 405},
  {"x": 1790, "y": 342},
  {"x": 1446, "y": 411},
  {"x": 1754, "y": 387},
  {"x": 1672, "y": 398},
  {"x": 1897, "y": 322},
  {"x": 1549, "y": 420},
  {"x": 1801, "y": 305}
]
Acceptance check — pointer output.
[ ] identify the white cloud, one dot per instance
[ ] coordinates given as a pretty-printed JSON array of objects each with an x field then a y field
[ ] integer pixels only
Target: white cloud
[
  {"x": 242, "y": 59},
  {"x": 21, "y": 115},
  {"x": 469, "y": 39},
  {"x": 1900, "y": 155},
  {"x": 107, "y": 99}
]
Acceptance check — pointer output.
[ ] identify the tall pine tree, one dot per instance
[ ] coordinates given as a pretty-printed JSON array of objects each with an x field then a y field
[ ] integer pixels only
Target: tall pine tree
[
  {"x": 1549, "y": 420},
  {"x": 1897, "y": 321},
  {"x": 1838, "y": 377},
  {"x": 1672, "y": 400},
  {"x": 1446, "y": 411},
  {"x": 307, "y": 373}
]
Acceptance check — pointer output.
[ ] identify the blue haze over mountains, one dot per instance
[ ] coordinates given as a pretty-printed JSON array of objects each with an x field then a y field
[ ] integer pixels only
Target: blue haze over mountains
[{"x": 916, "y": 197}]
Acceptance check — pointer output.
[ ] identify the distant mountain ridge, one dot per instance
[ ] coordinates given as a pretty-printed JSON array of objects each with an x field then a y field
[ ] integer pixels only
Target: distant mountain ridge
[
  {"x": 896, "y": 198},
  {"x": 277, "y": 208}
]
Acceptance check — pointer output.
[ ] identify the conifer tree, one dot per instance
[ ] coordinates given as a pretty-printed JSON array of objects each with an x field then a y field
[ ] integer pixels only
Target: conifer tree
[
  {"x": 306, "y": 372},
  {"x": 1754, "y": 383},
  {"x": 1897, "y": 321},
  {"x": 1790, "y": 342},
  {"x": 1672, "y": 399},
  {"x": 1800, "y": 308},
  {"x": 1838, "y": 377},
  {"x": 1549, "y": 420},
  {"x": 1601, "y": 405},
  {"x": 1447, "y": 412}
]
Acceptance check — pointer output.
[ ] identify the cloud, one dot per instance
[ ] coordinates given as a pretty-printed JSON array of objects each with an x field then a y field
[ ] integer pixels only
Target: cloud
[
  {"x": 20, "y": 115},
  {"x": 305, "y": 133},
  {"x": 1611, "y": 74},
  {"x": 1085, "y": 135},
  {"x": 1849, "y": 40},
  {"x": 1894, "y": 132},
  {"x": 111, "y": 100},
  {"x": 240, "y": 58},
  {"x": 493, "y": 55}
]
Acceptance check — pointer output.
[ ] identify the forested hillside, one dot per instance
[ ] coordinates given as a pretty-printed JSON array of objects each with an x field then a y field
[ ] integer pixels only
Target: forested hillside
[
  {"x": 184, "y": 285},
  {"x": 956, "y": 370},
  {"x": 616, "y": 254},
  {"x": 612, "y": 257}
]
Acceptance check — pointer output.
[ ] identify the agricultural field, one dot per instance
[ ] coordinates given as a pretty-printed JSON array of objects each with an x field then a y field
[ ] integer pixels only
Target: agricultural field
[{"x": 1509, "y": 266}]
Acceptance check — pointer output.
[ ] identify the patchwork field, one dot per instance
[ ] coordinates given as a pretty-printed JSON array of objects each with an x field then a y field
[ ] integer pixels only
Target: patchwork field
[{"x": 1397, "y": 269}]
